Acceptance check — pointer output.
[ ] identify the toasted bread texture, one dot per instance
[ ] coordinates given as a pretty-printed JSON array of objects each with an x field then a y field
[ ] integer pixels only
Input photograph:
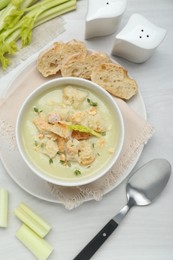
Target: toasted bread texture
[
  {"x": 50, "y": 61},
  {"x": 72, "y": 59},
  {"x": 82, "y": 65},
  {"x": 115, "y": 80}
]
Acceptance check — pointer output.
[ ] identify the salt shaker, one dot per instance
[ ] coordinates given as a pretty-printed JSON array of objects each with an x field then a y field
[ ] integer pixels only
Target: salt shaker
[
  {"x": 138, "y": 40},
  {"x": 103, "y": 17}
]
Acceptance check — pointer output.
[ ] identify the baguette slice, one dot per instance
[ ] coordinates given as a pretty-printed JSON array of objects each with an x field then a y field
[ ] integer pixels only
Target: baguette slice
[
  {"x": 50, "y": 61},
  {"x": 82, "y": 65},
  {"x": 115, "y": 80},
  {"x": 73, "y": 65}
]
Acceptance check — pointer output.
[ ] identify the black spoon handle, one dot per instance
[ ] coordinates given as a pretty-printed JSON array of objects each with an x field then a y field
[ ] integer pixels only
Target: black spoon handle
[{"x": 97, "y": 241}]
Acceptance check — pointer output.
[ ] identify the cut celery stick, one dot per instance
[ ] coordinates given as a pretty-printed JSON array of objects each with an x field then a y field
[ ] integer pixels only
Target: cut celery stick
[
  {"x": 35, "y": 216},
  {"x": 32, "y": 220},
  {"x": 37, "y": 245},
  {"x": 3, "y": 208},
  {"x": 56, "y": 11}
]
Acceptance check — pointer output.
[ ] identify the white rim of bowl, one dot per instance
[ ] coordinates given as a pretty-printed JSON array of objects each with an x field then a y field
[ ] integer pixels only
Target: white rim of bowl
[{"x": 69, "y": 80}]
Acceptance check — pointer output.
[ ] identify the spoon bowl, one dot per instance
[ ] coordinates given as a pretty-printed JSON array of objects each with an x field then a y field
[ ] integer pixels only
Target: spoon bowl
[{"x": 143, "y": 188}]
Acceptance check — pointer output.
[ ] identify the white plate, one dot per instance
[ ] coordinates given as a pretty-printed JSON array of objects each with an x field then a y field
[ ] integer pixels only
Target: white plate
[{"x": 11, "y": 159}]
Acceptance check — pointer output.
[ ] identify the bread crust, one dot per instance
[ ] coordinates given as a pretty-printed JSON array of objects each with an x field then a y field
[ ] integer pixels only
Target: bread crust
[
  {"x": 81, "y": 66},
  {"x": 73, "y": 65},
  {"x": 115, "y": 80},
  {"x": 72, "y": 59},
  {"x": 49, "y": 62}
]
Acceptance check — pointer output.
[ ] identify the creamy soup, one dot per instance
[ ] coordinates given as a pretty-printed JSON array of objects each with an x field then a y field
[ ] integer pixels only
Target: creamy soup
[{"x": 69, "y": 132}]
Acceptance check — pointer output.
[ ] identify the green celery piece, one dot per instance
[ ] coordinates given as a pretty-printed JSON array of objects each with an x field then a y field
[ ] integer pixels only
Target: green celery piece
[
  {"x": 17, "y": 3},
  {"x": 45, "y": 4},
  {"x": 10, "y": 7},
  {"x": 28, "y": 22},
  {"x": 4, "y": 61},
  {"x": 84, "y": 129},
  {"x": 37, "y": 245},
  {"x": 13, "y": 5},
  {"x": 10, "y": 48},
  {"x": 3, "y": 207},
  {"x": 12, "y": 19},
  {"x": 56, "y": 11},
  {"x": 32, "y": 220},
  {"x": 22, "y": 4},
  {"x": 35, "y": 16},
  {"x": 6, "y": 47},
  {"x": 35, "y": 216},
  {"x": 4, "y": 3},
  {"x": 26, "y": 30}
]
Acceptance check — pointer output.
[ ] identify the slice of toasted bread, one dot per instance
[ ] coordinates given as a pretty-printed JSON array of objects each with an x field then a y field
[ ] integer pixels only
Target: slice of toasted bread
[
  {"x": 50, "y": 61},
  {"x": 82, "y": 65},
  {"x": 115, "y": 80},
  {"x": 73, "y": 65},
  {"x": 91, "y": 61},
  {"x": 73, "y": 47}
]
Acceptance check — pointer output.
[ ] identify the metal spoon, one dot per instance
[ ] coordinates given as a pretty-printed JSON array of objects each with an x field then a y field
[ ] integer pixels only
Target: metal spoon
[{"x": 142, "y": 188}]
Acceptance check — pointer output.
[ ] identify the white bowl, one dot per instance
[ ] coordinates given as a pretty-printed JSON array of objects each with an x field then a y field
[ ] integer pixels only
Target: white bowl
[{"x": 24, "y": 125}]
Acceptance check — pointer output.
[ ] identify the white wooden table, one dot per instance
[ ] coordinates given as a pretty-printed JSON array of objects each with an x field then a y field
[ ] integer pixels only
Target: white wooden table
[{"x": 147, "y": 232}]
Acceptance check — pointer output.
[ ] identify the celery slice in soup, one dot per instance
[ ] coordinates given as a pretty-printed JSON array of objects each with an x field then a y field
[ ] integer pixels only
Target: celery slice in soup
[{"x": 84, "y": 129}]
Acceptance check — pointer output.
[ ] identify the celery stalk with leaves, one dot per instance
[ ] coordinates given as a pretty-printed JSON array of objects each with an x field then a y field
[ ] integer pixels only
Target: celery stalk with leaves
[
  {"x": 26, "y": 15},
  {"x": 13, "y": 12}
]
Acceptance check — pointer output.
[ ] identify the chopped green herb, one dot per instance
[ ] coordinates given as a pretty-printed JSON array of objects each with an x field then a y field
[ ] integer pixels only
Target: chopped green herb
[
  {"x": 50, "y": 161},
  {"x": 36, "y": 143},
  {"x": 68, "y": 163},
  {"x": 92, "y": 145},
  {"x": 42, "y": 145},
  {"x": 103, "y": 133},
  {"x": 37, "y": 110},
  {"x": 62, "y": 162},
  {"x": 98, "y": 154},
  {"x": 92, "y": 103},
  {"x": 77, "y": 172}
]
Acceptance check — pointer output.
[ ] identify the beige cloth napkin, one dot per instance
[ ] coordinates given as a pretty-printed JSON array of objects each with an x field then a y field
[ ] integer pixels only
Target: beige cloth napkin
[{"x": 137, "y": 132}]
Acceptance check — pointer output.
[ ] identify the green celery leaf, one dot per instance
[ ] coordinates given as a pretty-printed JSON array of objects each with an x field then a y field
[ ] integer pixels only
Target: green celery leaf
[
  {"x": 84, "y": 129},
  {"x": 6, "y": 48},
  {"x": 4, "y": 61},
  {"x": 10, "y": 48},
  {"x": 26, "y": 30},
  {"x": 13, "y": 18},
  {"x": 17, "y": 3}
]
